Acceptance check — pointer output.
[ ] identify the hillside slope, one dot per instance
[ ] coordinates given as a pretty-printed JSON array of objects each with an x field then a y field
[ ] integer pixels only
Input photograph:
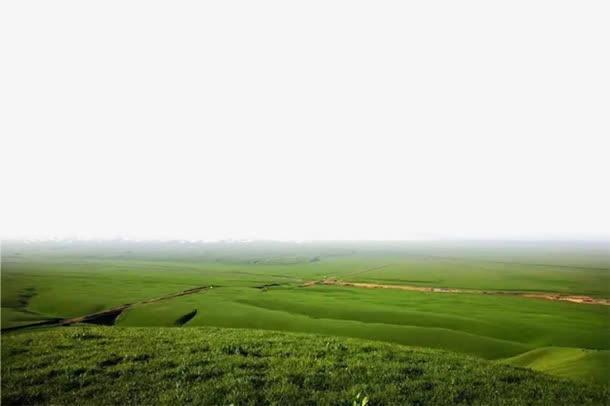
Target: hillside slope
[
  {"x": 576, "y": 363},
  {"x": 111, "y": 365}
]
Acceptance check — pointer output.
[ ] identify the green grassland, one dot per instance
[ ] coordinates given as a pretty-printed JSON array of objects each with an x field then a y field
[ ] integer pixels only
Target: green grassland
[
  {"x": 257, "y": 286},
  {"x": 481, "y": 325},
  {"x": 113, "y": 365},
  {"x": 568, "y": 362}
]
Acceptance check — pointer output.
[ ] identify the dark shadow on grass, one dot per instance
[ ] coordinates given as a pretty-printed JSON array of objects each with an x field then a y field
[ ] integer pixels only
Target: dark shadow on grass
[{"x": 182, "y": 320}]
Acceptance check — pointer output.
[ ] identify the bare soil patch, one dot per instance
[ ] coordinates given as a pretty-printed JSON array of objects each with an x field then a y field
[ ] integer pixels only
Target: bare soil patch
[{"x": 546, "y": 296}]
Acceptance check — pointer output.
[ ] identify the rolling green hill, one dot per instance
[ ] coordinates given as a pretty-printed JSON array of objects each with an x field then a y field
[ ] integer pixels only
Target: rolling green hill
[
  {"x": 112, "y": 365},
  {"x": 568, "y": 362}
]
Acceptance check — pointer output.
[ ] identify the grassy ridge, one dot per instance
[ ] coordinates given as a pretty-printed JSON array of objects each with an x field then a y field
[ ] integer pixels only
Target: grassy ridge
[
  {"x": 485, "y": 326},
  {"x": 567, "y": 362},
  {"x": 231, "y": 314},
  {"x": 481, "y": 325},
  {"x": 95, "y": 365}
]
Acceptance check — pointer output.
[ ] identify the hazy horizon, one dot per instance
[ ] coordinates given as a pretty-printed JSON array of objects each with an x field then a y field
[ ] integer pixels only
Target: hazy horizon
[{"x": 438, "y": 238}]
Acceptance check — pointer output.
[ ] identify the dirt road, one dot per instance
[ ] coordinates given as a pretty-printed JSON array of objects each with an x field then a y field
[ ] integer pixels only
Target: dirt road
[{"x": 546, "y": 296}]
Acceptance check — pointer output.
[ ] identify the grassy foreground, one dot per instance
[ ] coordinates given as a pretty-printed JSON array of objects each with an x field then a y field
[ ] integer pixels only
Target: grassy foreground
[{"x": 113, "y": 365}]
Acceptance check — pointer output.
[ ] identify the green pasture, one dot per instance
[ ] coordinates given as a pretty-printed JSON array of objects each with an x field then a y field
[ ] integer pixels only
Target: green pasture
[
  {"x": 483, "y": 325},
  {"x": 167, "y": 366},
  {"x": 257, "y": 286},
  {"x": 568, "y": 362},
  {"x": 490, "y": 275}
]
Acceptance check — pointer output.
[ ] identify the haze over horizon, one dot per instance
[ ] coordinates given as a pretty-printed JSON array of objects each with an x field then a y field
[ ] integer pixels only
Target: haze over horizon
[
  {"x": 385, "y": 121},
  {"x": 601, "y": 238}
]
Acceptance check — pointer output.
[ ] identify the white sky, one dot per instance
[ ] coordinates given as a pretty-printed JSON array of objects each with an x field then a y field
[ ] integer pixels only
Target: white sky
[{"x": 304, "y": 120}]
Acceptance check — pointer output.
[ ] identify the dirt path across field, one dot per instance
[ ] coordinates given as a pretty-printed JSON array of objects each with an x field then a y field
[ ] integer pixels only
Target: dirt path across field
[
  {"x": 546, "y": 296},
  {"x": 108, "y": 316}
]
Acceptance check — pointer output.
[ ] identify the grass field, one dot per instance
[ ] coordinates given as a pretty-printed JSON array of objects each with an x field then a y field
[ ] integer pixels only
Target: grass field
[
  {"x": 258, "y": 286},
  {"x": 113, "y": 365}
]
